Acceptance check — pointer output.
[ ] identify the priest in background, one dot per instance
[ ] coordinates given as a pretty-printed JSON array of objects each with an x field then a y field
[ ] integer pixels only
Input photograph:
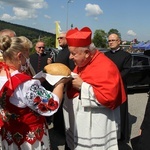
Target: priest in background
[{"x": 122, "y": 60}]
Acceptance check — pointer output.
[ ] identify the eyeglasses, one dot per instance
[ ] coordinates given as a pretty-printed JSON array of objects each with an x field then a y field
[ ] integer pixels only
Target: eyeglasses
[
  {"x": 112, "y": 40},
  {"x": 41, "y": 47},
  {"x": 60, "y": 38}
]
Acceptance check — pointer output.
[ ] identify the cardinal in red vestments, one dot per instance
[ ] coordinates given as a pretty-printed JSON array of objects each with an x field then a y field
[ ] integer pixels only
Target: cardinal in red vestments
[{"x": 93, "y": 95}]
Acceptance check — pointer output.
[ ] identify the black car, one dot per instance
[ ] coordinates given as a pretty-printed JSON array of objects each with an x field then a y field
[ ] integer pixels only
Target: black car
[{"x": 139, "y": 76}]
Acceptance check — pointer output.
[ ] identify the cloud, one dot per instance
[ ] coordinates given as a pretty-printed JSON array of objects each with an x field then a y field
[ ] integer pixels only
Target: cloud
[
  {"x": 93, "y": 10},
  {"x": 131, "y": 33},
  {"x": 22, "y": 13},
  {"x": 7, "y": 17},
  {"x": 46, "y": 16},
  {"x": 38, "y": 4},
  {"x": 23, "y": 9}
]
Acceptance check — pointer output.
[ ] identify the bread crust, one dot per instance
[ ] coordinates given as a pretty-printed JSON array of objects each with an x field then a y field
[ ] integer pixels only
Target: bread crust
[{"x": 57, "y": 69}]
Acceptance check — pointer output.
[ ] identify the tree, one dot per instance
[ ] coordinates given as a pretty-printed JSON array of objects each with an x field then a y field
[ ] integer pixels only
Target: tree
[
  {"x": 114, "y": 31},
  {"x": 49, "y": 41},
  {"x": 100, "y": 39}
]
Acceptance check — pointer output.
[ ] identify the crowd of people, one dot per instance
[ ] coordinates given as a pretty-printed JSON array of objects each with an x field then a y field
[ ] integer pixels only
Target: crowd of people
[{"x": 90, "y": 109}]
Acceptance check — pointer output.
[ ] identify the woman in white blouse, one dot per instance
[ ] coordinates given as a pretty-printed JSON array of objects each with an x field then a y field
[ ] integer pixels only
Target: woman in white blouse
[{"x": 24, "y": 103}]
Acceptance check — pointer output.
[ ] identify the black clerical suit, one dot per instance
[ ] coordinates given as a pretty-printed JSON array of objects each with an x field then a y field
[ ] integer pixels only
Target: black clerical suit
[
  {"x": 63, "y": 57},
  {"x": 58, "y": 119},
  {"x": 39, "y": 61},
  {"x": 122, "y": 60}
]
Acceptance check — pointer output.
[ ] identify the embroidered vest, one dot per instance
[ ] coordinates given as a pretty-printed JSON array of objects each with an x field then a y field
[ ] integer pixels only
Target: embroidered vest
[{"x": 19, "y": 124}]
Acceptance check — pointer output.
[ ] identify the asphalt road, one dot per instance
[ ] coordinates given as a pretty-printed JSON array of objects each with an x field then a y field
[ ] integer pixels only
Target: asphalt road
[{"x": 136, "y": 103}]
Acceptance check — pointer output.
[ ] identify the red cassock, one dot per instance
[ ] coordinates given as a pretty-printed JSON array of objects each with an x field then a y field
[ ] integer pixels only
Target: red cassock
[{"x": 103, "y": 75}]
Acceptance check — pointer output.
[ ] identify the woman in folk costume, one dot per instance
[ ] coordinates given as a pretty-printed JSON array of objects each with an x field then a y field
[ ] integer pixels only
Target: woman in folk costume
[
  {"x": 24, "y": 102},
  {"x": 92, "y": 96}
]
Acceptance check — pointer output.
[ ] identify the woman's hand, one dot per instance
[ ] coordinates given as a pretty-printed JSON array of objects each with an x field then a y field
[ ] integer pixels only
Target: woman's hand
[
  {"x": 59, "y": 87},
  {"x": 40, "y": 79},
  {"x": 63, "y": 80}
]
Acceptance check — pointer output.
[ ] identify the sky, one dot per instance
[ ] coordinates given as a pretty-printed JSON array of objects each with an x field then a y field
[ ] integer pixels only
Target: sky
[{"x": 129, "y": 17}]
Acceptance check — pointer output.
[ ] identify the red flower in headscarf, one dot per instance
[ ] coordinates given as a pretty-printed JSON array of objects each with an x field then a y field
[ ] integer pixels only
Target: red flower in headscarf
[{"x": 52, "y": 105}]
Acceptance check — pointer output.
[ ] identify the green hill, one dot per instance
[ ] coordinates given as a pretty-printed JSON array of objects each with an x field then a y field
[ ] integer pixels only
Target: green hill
[{"x": 29, "y": 32}]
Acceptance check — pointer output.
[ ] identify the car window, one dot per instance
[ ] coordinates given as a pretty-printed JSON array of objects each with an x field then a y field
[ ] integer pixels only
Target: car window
[{"x": 140, "y": 61}]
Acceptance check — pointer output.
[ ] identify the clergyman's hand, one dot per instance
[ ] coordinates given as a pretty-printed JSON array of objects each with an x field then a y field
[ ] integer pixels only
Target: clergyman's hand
[
  {"x": 49, "y": 60},
  {"x": 77, "y": 82}
]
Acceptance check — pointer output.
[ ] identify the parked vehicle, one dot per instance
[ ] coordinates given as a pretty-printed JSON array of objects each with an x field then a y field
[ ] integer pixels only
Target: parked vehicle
[{"x": 139, "y": 76}]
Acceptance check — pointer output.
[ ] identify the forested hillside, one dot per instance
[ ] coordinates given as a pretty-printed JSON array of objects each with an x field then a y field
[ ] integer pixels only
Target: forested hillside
[
  {"x": 31, "y": 33},
  {"x": 20, "y": 30}
]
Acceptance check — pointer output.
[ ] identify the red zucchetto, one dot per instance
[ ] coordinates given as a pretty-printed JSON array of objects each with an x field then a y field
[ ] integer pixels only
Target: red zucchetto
[{"x": 79, "y": 38}]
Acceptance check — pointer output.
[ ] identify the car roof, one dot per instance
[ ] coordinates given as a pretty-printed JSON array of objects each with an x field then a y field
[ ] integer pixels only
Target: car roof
[{"x": 140, "y": 54}]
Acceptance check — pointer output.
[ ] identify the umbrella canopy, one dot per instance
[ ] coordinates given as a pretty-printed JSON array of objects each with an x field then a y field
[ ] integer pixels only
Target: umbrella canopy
[
  {"x": 145, "y": 46},
  {"x": 136, "y": 46},
  {"x": 148, "y": 47}
]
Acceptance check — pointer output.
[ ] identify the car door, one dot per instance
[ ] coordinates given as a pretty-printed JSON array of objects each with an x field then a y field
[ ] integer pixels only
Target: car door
[{"x": 139, "y": 75}]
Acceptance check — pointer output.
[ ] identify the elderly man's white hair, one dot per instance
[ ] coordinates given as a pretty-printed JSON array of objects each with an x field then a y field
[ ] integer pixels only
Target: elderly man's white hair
[{"x": 8, "y": 32}]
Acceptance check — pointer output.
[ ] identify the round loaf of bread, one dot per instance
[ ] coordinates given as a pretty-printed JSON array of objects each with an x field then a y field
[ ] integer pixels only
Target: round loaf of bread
[{"x": 57, "y": 69}]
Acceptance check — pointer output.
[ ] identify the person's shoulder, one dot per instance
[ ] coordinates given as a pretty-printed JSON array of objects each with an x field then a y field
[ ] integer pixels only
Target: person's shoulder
[
  {"x": 64, "y": 51},
  {"x": 107, "y": 53},
  {"x": 65, "y": 48},
  {"x": 33, "y": 55},
  {"x": 126, "y": 53}
]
